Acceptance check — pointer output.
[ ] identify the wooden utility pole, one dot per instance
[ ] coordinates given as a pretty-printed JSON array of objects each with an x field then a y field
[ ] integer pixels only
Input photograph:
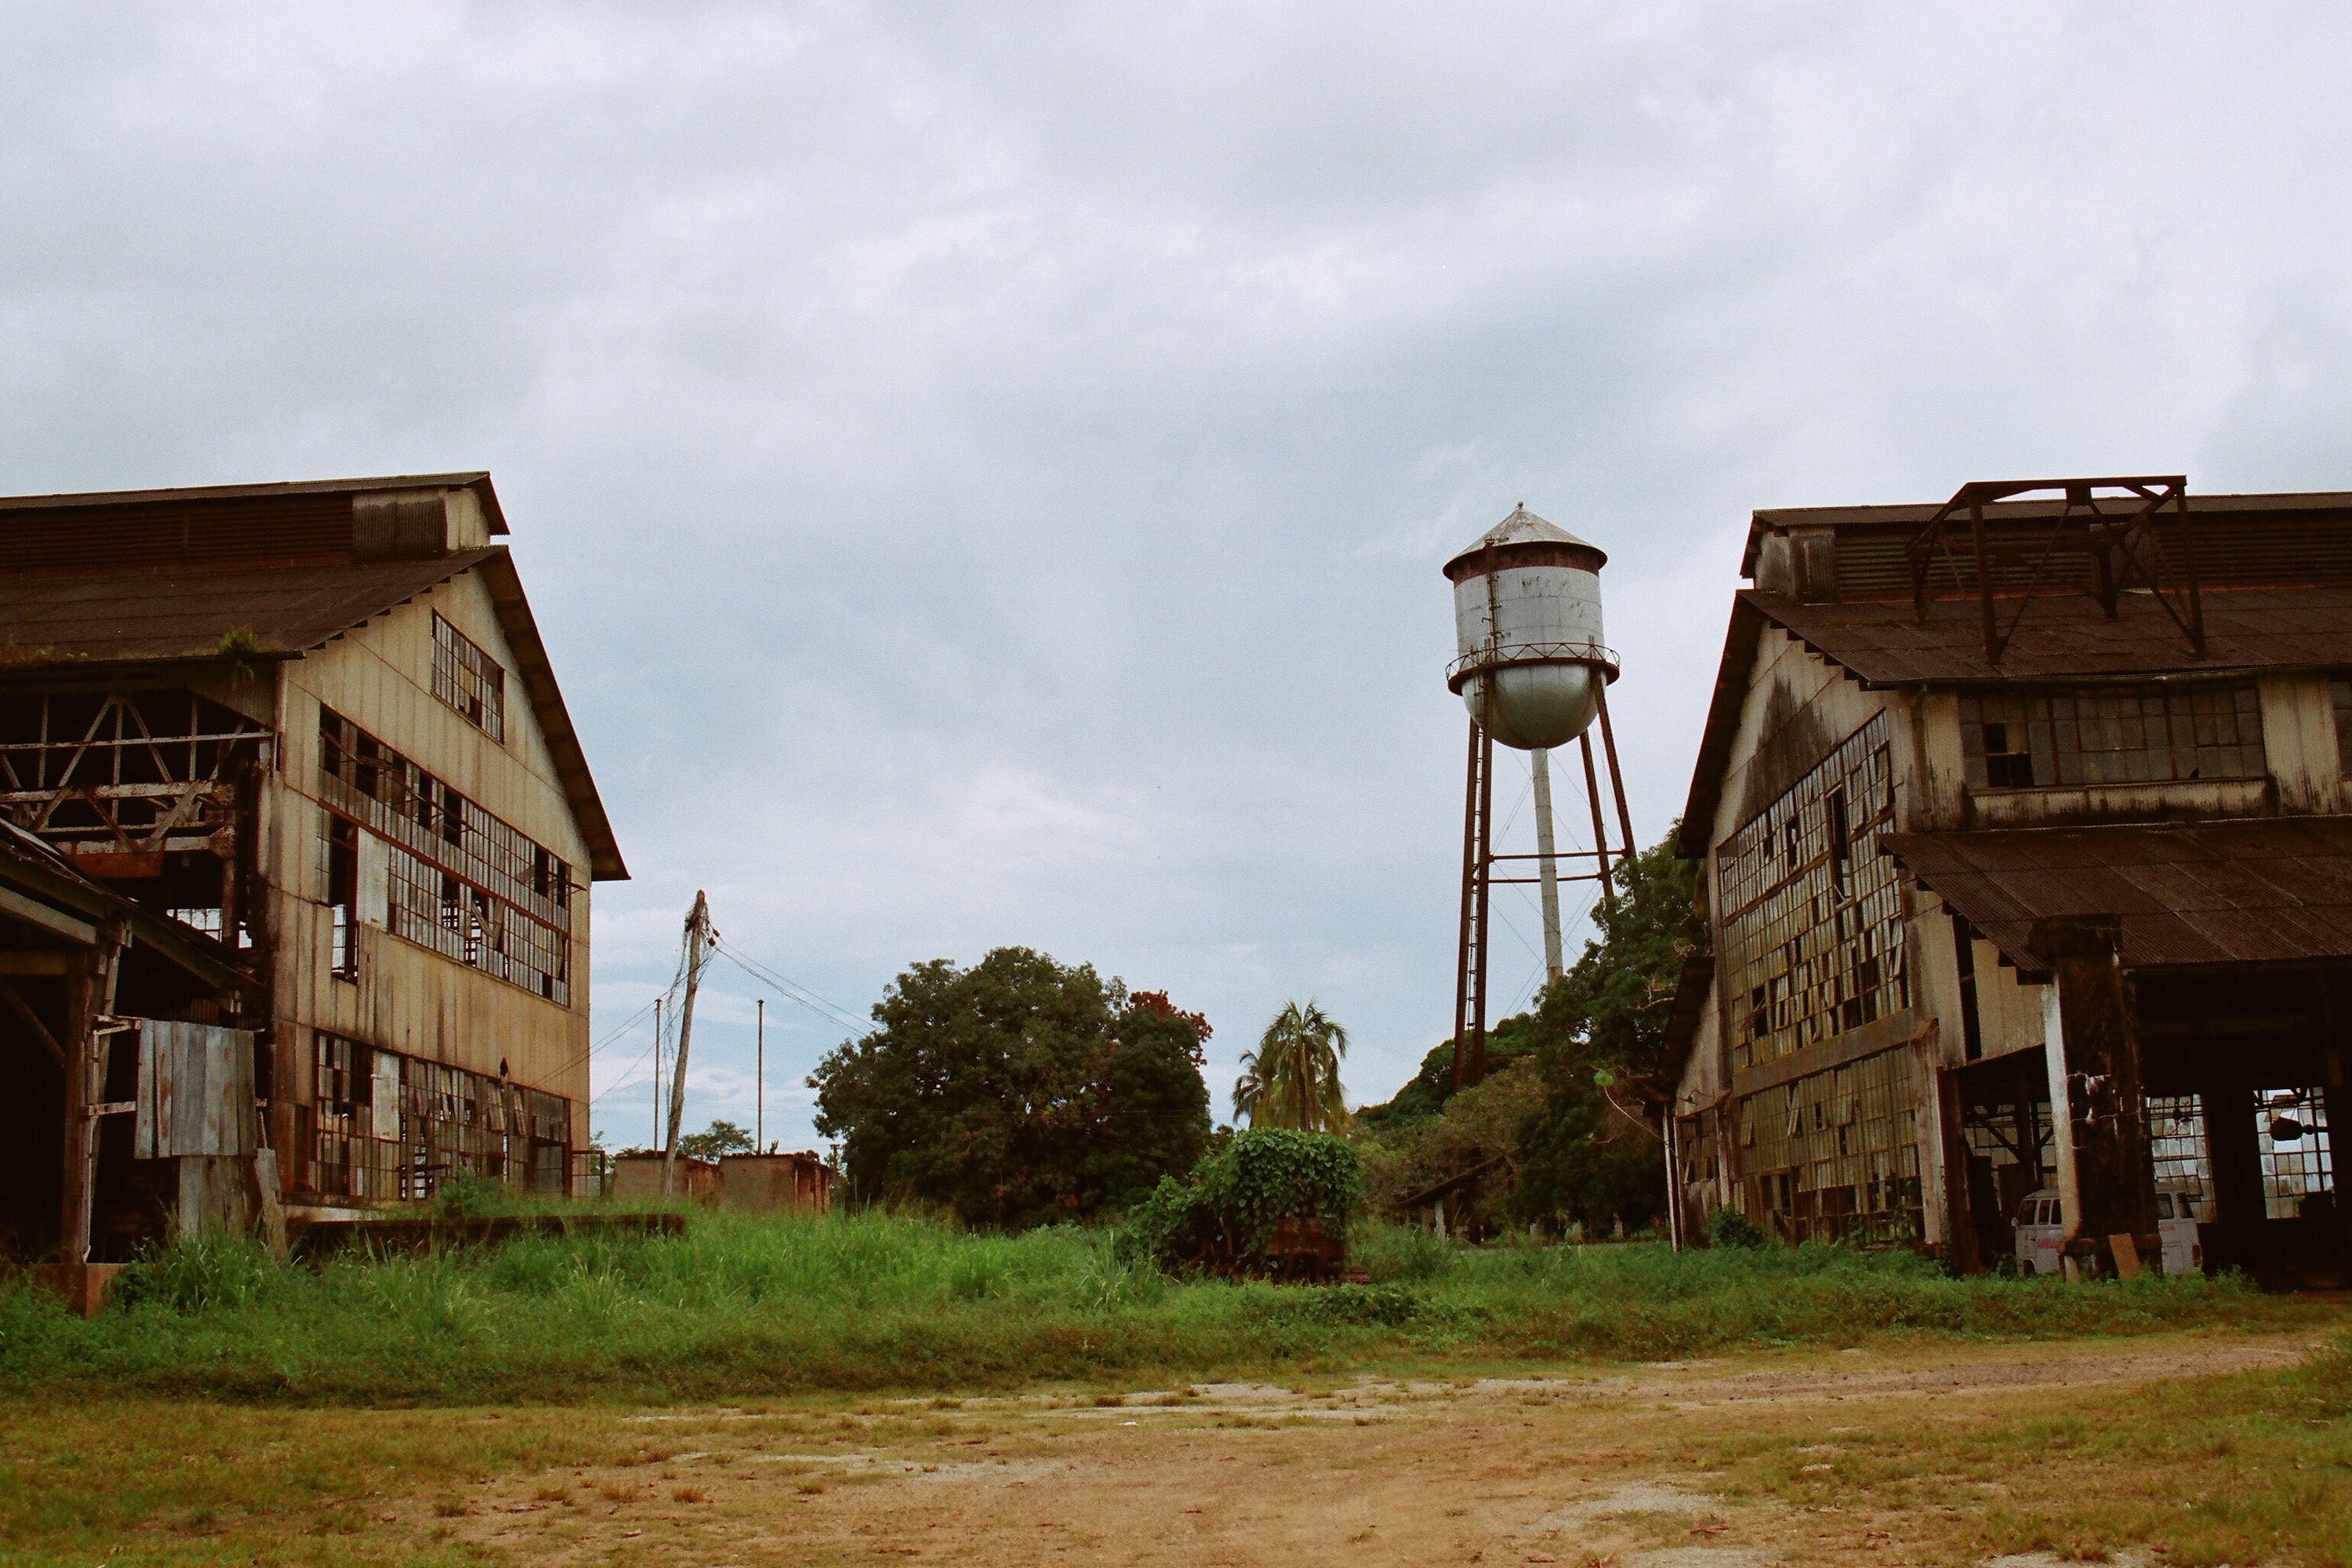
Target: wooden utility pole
[{"x": 697, "y": 932}]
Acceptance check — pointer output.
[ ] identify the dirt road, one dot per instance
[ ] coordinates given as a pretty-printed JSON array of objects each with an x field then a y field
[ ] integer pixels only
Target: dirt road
[{"x": 1929, "y": 1455}]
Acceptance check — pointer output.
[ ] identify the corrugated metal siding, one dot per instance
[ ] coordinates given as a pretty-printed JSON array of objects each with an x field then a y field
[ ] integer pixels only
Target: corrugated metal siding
[{"x": 181, "y": 533}]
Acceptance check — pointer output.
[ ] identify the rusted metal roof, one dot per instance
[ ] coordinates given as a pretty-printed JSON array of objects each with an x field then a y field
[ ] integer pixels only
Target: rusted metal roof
[
  {"x": 87, "y": 619},
  {"x": 2273, "y": 890},
  {"x": 134, "y": 614},
  {"x": 477, "y": 480},
  {"x": 2063, "y": 635}
]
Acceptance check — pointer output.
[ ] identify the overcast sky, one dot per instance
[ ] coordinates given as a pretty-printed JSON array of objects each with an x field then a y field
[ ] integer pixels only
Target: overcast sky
[{"x": 982, "y": 471}]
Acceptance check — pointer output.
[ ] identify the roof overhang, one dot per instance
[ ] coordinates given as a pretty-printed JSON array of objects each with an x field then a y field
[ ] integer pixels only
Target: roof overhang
[{"x": 2187, "y": 894}]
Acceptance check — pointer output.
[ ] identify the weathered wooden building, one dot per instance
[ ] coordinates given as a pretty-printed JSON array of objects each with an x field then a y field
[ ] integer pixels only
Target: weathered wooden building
[
  {"x": 315, "y": 723},
  {"x": 2025, "y": 832}
]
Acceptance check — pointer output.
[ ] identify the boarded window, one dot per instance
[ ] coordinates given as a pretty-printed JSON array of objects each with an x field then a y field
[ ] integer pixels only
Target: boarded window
[
  {"x": 2119, "y": 735},
  {"x": 469, "y": 681}
]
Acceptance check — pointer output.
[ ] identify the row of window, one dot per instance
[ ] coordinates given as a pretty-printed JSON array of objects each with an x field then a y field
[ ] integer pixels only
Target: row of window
[
  {"x": 386, "y": 1126},
  {"x": 384, "y": 791},
  {"x": 2123, "y": 735},
  {"x": 2157, "y": 733},
  {"x": 429, "y": 906}
]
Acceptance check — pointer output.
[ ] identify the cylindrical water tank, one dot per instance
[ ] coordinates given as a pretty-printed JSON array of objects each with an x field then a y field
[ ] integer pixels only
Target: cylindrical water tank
[{"x": 1526, "y": 617}]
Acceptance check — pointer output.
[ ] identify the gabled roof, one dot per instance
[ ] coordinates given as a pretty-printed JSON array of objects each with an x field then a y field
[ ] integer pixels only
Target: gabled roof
[
  {"x": 2264, "y": 891},
  {"x": 93, "y": 617}
]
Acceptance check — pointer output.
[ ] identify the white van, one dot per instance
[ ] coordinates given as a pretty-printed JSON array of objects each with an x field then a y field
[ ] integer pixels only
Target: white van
[{"x": 2042, "y": 1231}]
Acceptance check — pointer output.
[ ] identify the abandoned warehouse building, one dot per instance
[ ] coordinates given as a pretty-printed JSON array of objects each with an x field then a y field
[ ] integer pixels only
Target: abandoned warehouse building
[
  {"x": 292, "y": 759},
  {"x": 2024, "y": 832}
]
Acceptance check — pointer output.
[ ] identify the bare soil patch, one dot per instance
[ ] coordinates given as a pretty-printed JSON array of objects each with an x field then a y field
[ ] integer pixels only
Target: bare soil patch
[{"x": 1889, "y": 1455}]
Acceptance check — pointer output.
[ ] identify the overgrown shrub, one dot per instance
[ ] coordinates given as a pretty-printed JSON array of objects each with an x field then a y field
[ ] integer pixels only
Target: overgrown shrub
[
  {"x": 1729, "y": 1227},
  {"x": 1236, "y": 1196}
]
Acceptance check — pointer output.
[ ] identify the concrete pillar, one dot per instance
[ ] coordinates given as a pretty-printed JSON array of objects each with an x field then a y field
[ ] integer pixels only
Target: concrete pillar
[{"x": 2107, "y": 1181}]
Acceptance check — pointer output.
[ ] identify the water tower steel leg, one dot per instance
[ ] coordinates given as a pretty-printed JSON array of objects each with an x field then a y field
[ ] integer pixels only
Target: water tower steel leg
[
  {"x": 1486, "y": 886},
  {"x": 1470, "y": 973},
  {"x": 1616, "y": 777},
  {"x": 1599, "y": 831},
  {"x": 1548, "y": 866}
]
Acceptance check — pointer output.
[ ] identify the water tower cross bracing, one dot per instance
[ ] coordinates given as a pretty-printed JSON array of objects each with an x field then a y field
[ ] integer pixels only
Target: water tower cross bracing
[{"x": 1534, "y": 671}]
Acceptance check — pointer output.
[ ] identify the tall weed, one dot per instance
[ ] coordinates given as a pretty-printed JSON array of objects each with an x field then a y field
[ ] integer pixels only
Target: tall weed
[{"x": 740, "y": 1305}]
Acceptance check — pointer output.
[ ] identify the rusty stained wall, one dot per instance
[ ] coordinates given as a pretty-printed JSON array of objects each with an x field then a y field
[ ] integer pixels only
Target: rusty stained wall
[{"x": 407, "y": 998}]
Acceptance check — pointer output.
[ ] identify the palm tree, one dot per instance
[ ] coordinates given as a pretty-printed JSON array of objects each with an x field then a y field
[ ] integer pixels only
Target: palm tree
[{"x": 1292, "y": 1079}]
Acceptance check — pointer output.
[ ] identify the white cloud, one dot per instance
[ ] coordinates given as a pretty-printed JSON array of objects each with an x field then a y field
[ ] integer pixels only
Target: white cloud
[{"x": 982, "y": 475}]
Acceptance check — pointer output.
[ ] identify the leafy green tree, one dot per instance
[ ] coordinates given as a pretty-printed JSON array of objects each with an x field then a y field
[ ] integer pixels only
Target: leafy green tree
[
  {"x": 1593, "y": 1152},
  {"x": 1292, "y": 1079},
  {"x": 1015, "y": 1092},
  {"x": 719, "y": 1138}
]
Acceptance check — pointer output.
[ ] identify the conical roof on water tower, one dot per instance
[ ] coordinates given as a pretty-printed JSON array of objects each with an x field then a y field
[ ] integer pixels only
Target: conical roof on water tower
[{"x": 1526, "y": 618}]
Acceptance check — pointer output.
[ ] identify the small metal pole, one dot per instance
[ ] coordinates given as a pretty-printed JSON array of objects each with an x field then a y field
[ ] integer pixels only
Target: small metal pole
[
  {"x": 2188, "y": 565},
  {"x": 1984, "y": 582},
  {"x": 1548, "y": 868},
  {"x": 759, "y": 1088},
  {"x": 657, "y": 1067}
]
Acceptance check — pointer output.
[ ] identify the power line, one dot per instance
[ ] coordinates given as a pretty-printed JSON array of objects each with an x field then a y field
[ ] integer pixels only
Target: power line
[{"x": 792, "y": 990}]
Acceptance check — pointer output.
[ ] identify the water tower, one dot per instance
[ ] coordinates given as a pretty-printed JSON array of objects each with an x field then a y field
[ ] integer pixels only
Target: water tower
[{"x": 1534, "y": 673}]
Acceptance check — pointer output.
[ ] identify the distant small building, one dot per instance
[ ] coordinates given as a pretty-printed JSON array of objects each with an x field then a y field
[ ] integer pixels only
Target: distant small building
[
  {"x": 2024, "y": 826},
  {"x": 776, "y": 1183},
  {"x": 315, "y": 725}
]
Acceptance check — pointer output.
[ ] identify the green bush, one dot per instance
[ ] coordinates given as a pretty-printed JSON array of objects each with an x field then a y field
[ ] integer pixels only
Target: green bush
[
  {"x": 1729, "y": 1227},
  {"x": 1237, "y": 1196}
]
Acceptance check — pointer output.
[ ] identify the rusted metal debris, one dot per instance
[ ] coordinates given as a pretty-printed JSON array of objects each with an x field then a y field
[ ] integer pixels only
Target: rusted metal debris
[{"x": 2126, "y": 547}]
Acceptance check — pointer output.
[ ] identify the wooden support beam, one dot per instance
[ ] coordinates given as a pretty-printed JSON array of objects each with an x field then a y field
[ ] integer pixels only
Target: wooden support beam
[
  {"x": 34, "y": 912},
  {"x": 90, "y": 994},
  {"x": 2105, "y": 1168},
  {"x": 51, "y": 962}
]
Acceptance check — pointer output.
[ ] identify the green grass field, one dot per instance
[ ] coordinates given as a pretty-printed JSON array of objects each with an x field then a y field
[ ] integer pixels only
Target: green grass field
[{"x": 744, "y": 1306}]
